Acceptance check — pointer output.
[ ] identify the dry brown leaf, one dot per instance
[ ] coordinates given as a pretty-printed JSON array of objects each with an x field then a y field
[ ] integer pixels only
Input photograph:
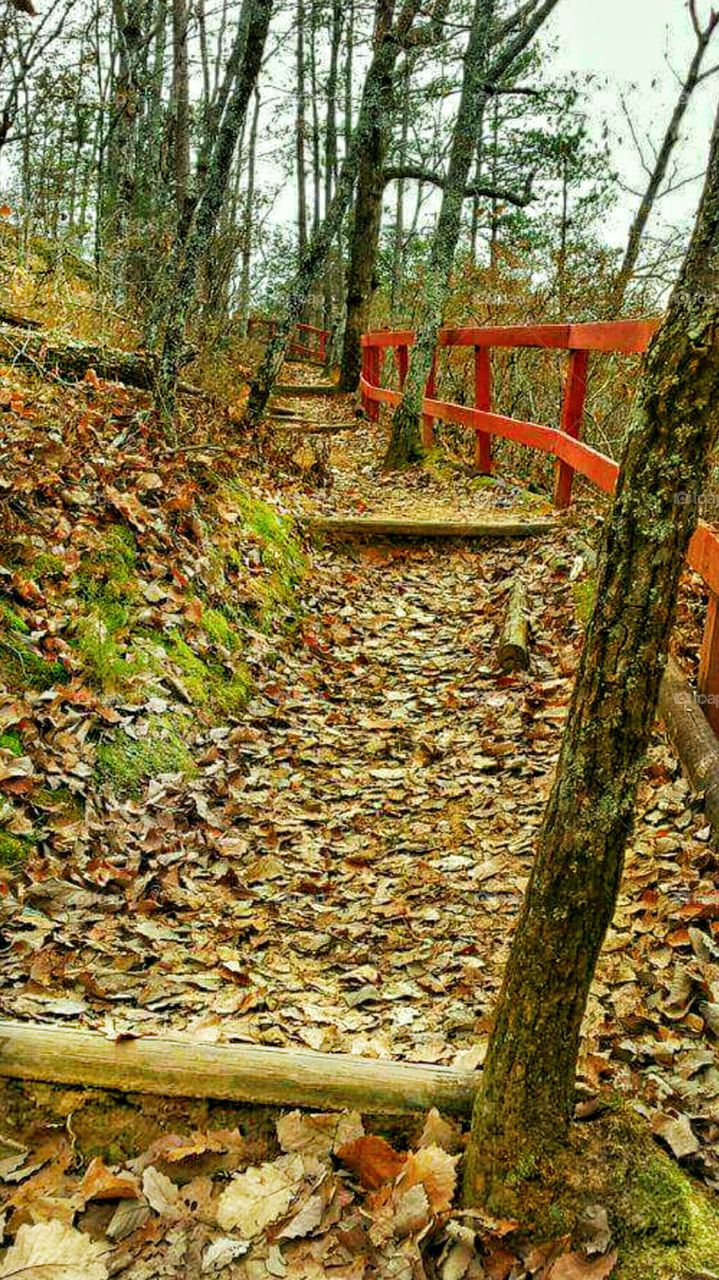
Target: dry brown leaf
[
  {"x": 438, "y": 1132},
  {"x": 412, "y": 1211},
  {"x": 54, "y": 1251},
  {"x": 436, "y": 1170},
  {"x": 100, "y": 1183},
  {"x": 319, "y": 1134},
  {"x": 372, "y": 1159},
  {"x": 259, "y": 1196},
  {"x": 575, "y": 1266}
]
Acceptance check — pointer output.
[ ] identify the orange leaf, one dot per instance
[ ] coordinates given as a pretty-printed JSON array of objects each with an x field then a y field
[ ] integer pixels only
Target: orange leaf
[
  {"x": 100, "y": 1183},
  {"x": 372, "y": 1159},
  {"x": 436, "y": 1170},
  {"x": 5, "y": 210},
  {"x": 92, "y": 378}
]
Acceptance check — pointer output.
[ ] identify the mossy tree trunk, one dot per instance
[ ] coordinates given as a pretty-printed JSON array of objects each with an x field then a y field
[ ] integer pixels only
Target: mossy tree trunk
[
  {"x": 405, "y": 443},
  {"x": 525, "y": 1105}
]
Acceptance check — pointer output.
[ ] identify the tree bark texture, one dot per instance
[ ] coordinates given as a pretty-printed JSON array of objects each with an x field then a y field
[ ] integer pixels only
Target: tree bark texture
[{"x": 525, "y": 1105}]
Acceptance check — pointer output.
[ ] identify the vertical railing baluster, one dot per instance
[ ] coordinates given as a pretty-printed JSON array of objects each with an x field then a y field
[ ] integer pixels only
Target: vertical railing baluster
[
  {"x": 483, "y": 400},
  {"x": 575, "y": 394}
]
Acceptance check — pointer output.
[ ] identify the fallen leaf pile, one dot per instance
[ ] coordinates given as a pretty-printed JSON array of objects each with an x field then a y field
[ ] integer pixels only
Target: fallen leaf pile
[
  {"x": 341, "y": 865},
  {"x": 335, "y": 1202}
]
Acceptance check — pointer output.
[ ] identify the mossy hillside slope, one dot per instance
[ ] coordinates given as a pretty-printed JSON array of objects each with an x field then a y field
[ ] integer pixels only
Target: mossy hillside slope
[{"x": 142, "y": 597}]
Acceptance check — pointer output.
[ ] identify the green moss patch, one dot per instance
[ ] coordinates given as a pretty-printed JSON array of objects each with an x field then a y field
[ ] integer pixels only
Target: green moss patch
[
  {"x": 664, "y": 1225},
  {"x": 11, "y": 741},
  {"x": 125, "y": 763},
  {"x": 584, "y": 595},
  {"x": 206, "y": 680},
  {"x": 10, "y": 620},
  {"x": 15, "y": 850},
  {"x": 22, "y": 668}
]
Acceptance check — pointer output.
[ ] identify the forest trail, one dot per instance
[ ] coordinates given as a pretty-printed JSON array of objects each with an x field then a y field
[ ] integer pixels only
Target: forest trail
[{"x": 345, "y": 872}]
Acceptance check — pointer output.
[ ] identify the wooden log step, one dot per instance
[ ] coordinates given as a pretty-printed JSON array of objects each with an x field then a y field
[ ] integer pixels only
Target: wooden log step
[
  {"x": 237, "y": 1072},
  {"x": 373, "y": 526},
  {"x": 308, "y": 428},
  {"x": 513, "y": 650},
  {"x": 319, "y": 389}
]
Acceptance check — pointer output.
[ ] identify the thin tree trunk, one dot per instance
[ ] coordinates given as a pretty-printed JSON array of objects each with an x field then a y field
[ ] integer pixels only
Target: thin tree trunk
[
  {"x": 659, "y": 172},
  {"x": 253, "y": 24},
  {"x": 245, "y": 299},
  {"x": 301, "y": 133},
  {"x": 364, "y": 236},
  {"x": 330, "y": 175},
  {"x": 180, "y": 106},
  {"x": 525, "y": 1106},
  {"x": 387, "y": 43},
  {"x": 405, "y": 443}
]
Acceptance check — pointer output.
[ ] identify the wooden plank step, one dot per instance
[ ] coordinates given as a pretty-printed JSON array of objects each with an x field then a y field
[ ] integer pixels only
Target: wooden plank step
[
  {"x": 319, "y": 389},
  {"x": 372, "y": 526},
  {"x": 237, "y": 1072},
  {"x": 308, "y": 428}
]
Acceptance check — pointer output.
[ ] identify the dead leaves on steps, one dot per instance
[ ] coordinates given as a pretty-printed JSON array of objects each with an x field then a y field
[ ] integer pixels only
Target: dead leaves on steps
[{"x": 336, "y": 1203}]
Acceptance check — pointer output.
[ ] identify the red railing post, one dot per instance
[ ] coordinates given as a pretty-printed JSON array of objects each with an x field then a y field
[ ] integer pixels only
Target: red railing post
[
  {"x": 366, "y": 374},
  {"x": 427, "y": 420},
  {"x": 323, "y": 345},
  {"x": 483, "y": 400},
  {"x": 708, "y": 679},
  {"x": 575, "y": 392},
  {"x": 401, "y": 355},
  {"x": 373, "y": 375}
]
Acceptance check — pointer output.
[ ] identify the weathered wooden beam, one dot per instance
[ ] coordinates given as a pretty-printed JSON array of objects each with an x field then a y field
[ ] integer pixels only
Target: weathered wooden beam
[
  {"x": 513, "y": 650},
  {"x": 693, "y": 738},
  {"x": 320, "y": 389},
  {"x": 372, "y": 526},
  {"x": 239, "y": 1073},
  {"x": 302, "y": 426}
]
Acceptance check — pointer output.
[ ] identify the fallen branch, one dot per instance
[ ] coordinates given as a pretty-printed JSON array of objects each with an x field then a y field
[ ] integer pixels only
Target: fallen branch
[
  {"x": 71, "y": 359},
  {"x": 238, "y": 1072},
  {"x": 693, "y": 739},
  {"x": 513, "y": 651}
]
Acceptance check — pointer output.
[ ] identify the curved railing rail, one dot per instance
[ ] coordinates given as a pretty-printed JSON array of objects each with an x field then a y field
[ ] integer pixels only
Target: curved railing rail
[
  {"x": 307, "y": 341},
  {"x": 563, "y": 443}
]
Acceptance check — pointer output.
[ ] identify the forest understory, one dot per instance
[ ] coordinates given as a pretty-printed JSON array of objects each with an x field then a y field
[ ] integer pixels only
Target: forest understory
[{"x": 263, "y": 788}]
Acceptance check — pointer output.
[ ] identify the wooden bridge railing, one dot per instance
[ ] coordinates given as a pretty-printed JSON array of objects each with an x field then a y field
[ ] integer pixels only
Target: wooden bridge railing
[
  {"x": 307, "y": 340},
  {"x": 563, "y": 442}
]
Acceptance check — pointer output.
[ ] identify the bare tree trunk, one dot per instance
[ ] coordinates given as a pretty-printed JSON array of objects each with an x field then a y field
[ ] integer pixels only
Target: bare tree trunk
[
  {"x": 364, "y": 236},
  {"x": 253, "y": 24},
  {"x": 659, "y": 172},
  {"x": 331, "y": 149},
  {"x": 301, "y": 133},
  {"x": 525, "y": 1106},
  {"x": 245, "y": 299},
  {"x": 405, "y": 443},
  {"x": 386, "y": 41},
  {"x": 180, "y": 106}
]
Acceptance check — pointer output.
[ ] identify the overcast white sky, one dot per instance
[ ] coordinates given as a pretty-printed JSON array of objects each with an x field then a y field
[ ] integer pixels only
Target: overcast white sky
[{"x": 628, "y": 43}]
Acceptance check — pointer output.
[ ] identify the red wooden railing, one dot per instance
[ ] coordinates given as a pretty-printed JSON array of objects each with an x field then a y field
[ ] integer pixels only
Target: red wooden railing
[
  {"x": 563, "y": 442},
  {"x": 307, "y": 339}
]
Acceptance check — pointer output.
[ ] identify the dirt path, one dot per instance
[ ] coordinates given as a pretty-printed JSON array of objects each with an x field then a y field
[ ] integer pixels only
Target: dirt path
[{"x": 346, "y": 871}]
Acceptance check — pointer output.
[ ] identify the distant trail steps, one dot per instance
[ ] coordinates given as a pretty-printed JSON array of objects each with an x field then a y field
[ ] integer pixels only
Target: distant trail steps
[
  {"x": 373, "y": 526},
  {"x": 312, "y": 389}
]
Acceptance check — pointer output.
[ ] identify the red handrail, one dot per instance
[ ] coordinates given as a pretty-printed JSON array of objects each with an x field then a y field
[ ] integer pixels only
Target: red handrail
[
  {"x": 562, "y": 443},
  {"x": 315, "y": 350}
]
